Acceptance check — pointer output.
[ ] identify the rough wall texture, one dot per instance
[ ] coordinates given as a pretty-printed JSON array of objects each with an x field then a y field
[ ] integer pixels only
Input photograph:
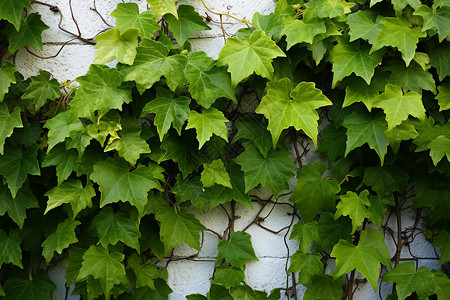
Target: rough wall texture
[{"x": 192, "y": 275}]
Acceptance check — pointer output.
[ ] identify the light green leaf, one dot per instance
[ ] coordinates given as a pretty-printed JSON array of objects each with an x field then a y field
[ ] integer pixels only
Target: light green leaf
[
  {"x": 303, "y": 31},
  {"x": 16, "y": 207},
  {"x": 117, "y": 183},
  {"x": 254, "y": 53},
  {"x": 273, "y": 24},
  {"x": 399, "y": 5},
  {"x": 15, "y": 165},
  {"x": 272, "y": 171},
  {"x": 308, "y": 265},
  {"x": 402, "y": 132},
  {"x": 413, "y": 78},
  {"x": 168, "y": 111},
  {"x": 210, "y": 121},
  {"x": 324, "y": 287},
  {"x": 251, "y": 127},
  {"x": 228, "y": 276},
  {"x": 64, "y": 160},
  {"x": 100, "y": 91},
  {"x": 409, "y": 280},
  {"x": 129, "y": 145},
  {"x": 348, "y": 58},
  {"x": 162, "y": 7},
  {"x": 7, "y": 76},
  {"x": 29, "y": 33},
  {"x": 114, "y": 44},
  {"x": 187, "y": 23},
  {"x": 113, "y": 227},
  {"x": 439, "y": 147},
  {"x": 11, "y": 10},
  {"x": 359, "y": 91},
  {"x": 397, "y": 32},
  {"x": 363, "y": 128},
  {"x": 443, "y": 242},
  {"x": 60, "y": 239},
  {"x": 398, "y": 107},
  {"x": 238, "y": 250},
  {"x": 42, "y": 89},
  {"x": 40, "y": 287},
  {"x": 151, "y": 63},
  {"x": 444, "y": 96},
  {"x": 8, "y": 121},
  {"x": 285, "y": 107},
  {"x": 314, "y": 193},
  {"x": 146, "y": 273},
  {"x": 435, "y": 18},
  {"x": 206, "y": 81},
  {"x": 215, "y": 173},
  {"x": 440, "y": 59},
  {"x": 101, "y": 264},
  {"x": 362, "y": 26},
  {"x": 355, "y": 206},
  {"x": 305, "y": 234},
  {"x": 71, "y": 191},
  {"x": 330, "y": 8},
  {"x": 107, "y": 126},
  {"x": 127, "y": 16},
  {"x": 10, "y": 251}
]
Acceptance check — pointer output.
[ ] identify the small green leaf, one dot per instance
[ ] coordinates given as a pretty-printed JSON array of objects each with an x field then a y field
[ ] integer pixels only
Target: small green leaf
[
  {"x": 40, "y": 287},
  {"x": 435, "y": 19},
  {"x": 10, "y": 251},
  {"x": 355, "y": 206},
  {"x": 127, "y": 16},
  {"x": 215, "y": 173},
  {"x": 238, "y": 250},
  {"x": 228, "y": 276},
  {"x": 386, "y": 180},
  {"x": 304, "y": 31},
  {"x": 191, "y": 190},
  {"x": 60, "y": 239},
  {"x": 439, "y": 147},
  {"x": 146, "y": 273},
  {"x": 107, "y": 126},
  {"x": 114, "y": 44},
  {"x": 439, "y": 59},
  {"x": 305, "y": 234},
  {"x": 162, "y": 7},
  {"x": 29, "y": 33},
  {"x": 7, "y": 76},
  {"x": 330, "y": 8},
  {"x": 17, "y": 206},
  {"x": 251, "y": 127},
  {"x": 324, "y": 287},
  {"x": 444, "y": 96},
  {"x": 11, "y": 10},
  {"x": 42, "y": 89},
  {"x": 64, "y": 160},
  {"x": 8, "y": 121},
  {"x": 210, "y": 121},
  {"x": 308, "y": 265},
  {"x": 413, "y": 78},
  {"x": 362, "y": 26},
  {"x": 331, "y": 231},
  {"x": 359, "y": 91}
]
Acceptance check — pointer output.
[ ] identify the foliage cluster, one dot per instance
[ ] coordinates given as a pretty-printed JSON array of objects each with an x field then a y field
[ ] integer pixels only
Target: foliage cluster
[{"x": 105, "y": 174}]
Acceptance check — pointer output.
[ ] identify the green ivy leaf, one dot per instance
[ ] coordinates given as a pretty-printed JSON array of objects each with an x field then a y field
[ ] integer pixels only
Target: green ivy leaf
[
  {"x": 435, "y": 19},
  {"x": 305, "y": 234},
  {"x": 247, "y": 293},
  {"x": 64, "y": 160},
  {"x": 191, "y": 190},
  {"x": 358, "y": 90},
  {"x": 79, "y": 138},
  {"x": 105, "y": 266},
  {"x": 15, "y": 165},
  {"x": 59, "y": 128},
  {"x": 146, "y": 273},
  {"x": 402, "y": 132},
  {"x": 251, "y": 127},
  {"x": 74, "y": 263},
  {"x": 272, "y": 171},
  {"x": 439, "y": 147},
  {"x": 331, "y": 231},
  {"x": 71, "y": 191},
  {"x": 100, "y": 91},
  {"x": 60, "y": 239},
  {"x": 107, "y": 126},
  {"x": 443, "y": 242},
  {"x": 114, "y": 44},
  {"x": 409, "y": 280},
  {"x": 7, "y": 76},
  {"x": 308, "y": 265},
  {"x": 10, "y": 248},
  {"x": 363, "y": 128},
  {"x": 254, "y": 53},
  {"x": 168, "y": 111},
  {"x": 333, "y": 142},
  {"x": 386, "y": 180},
  {"x": 397, "y": 32},
  {"x": 362, "y": 26},
  {"x": 113, "y": 227},
  {"x": 29, "y": 33},
  {"x": 314, "y": 193},
  {"x": 228, "y": 276},
  {"x": 442, "y": 283},
  {"x": 151, "y": 63},
  {"x": 355, "y": 206},
  {"x": 41, "y": 89},
  {"x": 11, "y": 10},
  {"x": 129, "y": 145},
  {"x": 117, "y": 183},
  {"x": 324, "y": 287},
  {"x": 162, "y": 7},
  {"x": 237, "y": 251},
  {"x": 412, "y": 78},
  {"x": 206, "y": 81},
  {"x": 330, "y": 8},
  {"x": 17, "y": 206},
  {"x": 8, "y": 121},
  {"x": 303, "y": 31},
  {"x": 210, "y": 121},
  {"x": 440, "y": 60},
  {"x": 444, "y": 96},
  {"x": 285, "y": 107},
  {"x": 215, "y": 173},
  {"x": 187, "y": 23},
  {"x": 40, "y": 287},
  {"x": 366, "y": 256},
  {"x": 127, "y": 16}
]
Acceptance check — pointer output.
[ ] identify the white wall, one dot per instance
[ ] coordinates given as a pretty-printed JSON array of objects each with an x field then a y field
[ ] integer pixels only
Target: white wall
[{"x": 192, "y": 275}]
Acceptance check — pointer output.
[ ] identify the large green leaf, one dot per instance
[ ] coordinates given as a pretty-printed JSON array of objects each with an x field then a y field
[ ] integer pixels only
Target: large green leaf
[
  {"x": 329, "y": 8},
  {"x": 386, "y": 180},
  {"x": 274, "y": 23},
  {"x": 355, "y": 206},
  {"x": 117, "y": 183},
  {"x": 115, "y": 44},
  {"x": 10, "y": 251},
  {"x": 38, "y": 287},
  {"x": 362, "y": 26},
  {"x": 60, "y": 239},
  {"x": 101, "y": 264},
  {"x": 11, "y": 10},
  {"x": 162, "y": 7},
  {"x": 439, "y": 147},
  {"x": 42, "y": 89},
  {"x": 324, "y": 287},
  {"x": 435, "y": 18},
  {"x": 228, "y": 276},
  {"x": 413, "y": 78},
  {"x": 15, "y": 165},
  {"x": 17, "y": 206},
  {"x": 238, "y": 250},
  {"x": 64, "y": 160},
  {"x": 210, "y": 121},
  {"x": 285, "y": 107},
  {"x": 151, "y": 63},
  {"x": 303, "y": 31},
  {"x": 358, "y": 90},
  {"x": 8, "y": 121},
  {"x": 314, "y": 193},
  {"x": 206, "y": 81},
  {"x": 307, "y": 264},
  {"x": 127, "y": 16},
  {"x": 272, "y": 171},
  {"x": 305, "y": 234},
  {"x": 113, "y": 227},
  {"x": 73, "y": 192},
  {"x": 60, "y": 127},
  {"x": 168, "y": 111},
  {"x": 254, "y": 53},
  {"x": 397, "y": 32},
  {"x": 348, "y": 58},
  {"x": 29, "y": 33}
]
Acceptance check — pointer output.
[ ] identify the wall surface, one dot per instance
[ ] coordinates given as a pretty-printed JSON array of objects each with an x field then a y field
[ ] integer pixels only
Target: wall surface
[{"x": 189, "y": 271}]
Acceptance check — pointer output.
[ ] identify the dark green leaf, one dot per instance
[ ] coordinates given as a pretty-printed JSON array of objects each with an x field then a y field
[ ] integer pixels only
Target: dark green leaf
[
  {"x": 41, "y": 287},
  {"x": 60, "y": 239},
  {"x": 238, "y": 250},
  {"x": 8, "y": 121},
  {"x": 29, "y": 33},
  {"x": 42, "y": 89},
  {"x": 11, "y": 10},
  {"x": 10, "y": 251}
]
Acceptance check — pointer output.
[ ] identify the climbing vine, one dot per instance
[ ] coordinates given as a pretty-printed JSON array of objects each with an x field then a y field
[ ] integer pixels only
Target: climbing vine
[{"x": 109, "y": 172}]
